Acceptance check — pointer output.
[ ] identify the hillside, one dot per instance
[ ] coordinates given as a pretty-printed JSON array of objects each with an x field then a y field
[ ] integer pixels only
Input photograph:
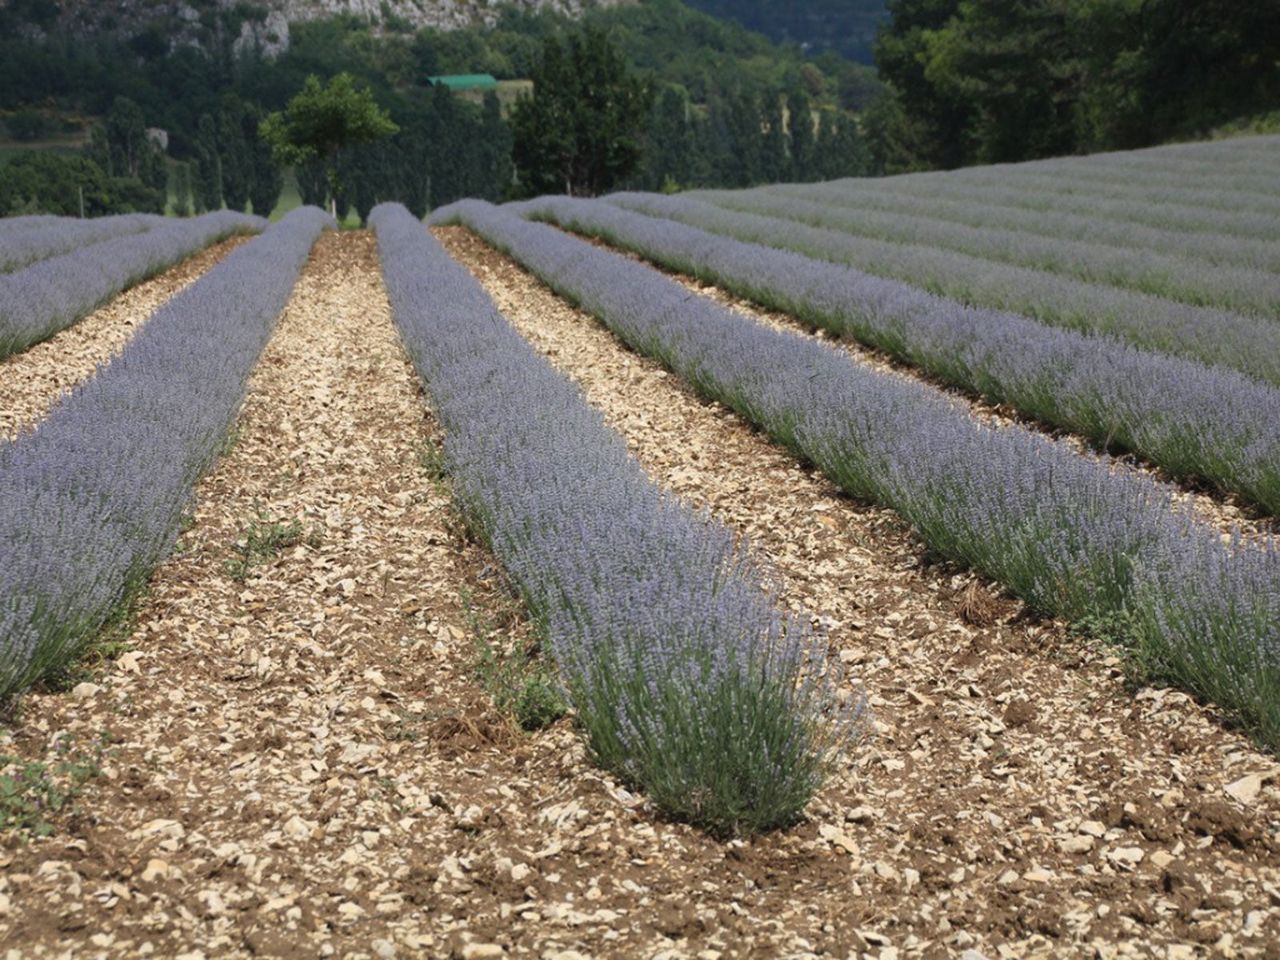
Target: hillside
[
  {"x": 154, "y": 25},
  {"x": 846, "y": 26}
]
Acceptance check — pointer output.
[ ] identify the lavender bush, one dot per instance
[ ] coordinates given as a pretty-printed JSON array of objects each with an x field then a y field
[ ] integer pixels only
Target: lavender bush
[
  {"x": 1229, "y": 178},
  {"x": 1175, "y": 278},
  {"x": 686, "y": 677},
  {"x": 1209, "y": 185},
  {"x": 1248, "y": 344},
  {"x": 1062, "y": 531},
  {"x": 38, "y": 242},
  {"x": 1169, "y": 215},
  {"x": 1195, "y": 421},
  {"x": 51, "y": 295},
  {"x": 91, "y": 500},
  {"x": 1196, "y": 247},
  {"x": 10, "y": 225},
  {"x": 1229, "y": 196}
]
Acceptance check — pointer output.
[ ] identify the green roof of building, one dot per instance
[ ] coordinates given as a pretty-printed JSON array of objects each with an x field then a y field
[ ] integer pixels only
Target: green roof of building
[{"x": 466, "y": 81}]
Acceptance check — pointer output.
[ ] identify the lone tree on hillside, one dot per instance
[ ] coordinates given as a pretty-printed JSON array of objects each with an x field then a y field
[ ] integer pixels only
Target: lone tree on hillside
[
  {"x": 580, "y": 131},
  {"x": 320, "y": 121}
]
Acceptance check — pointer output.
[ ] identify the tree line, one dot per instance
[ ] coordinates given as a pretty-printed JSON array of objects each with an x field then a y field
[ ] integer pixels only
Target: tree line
[
  {"x": 592, "y": 124},
  {"x": 990, "y": 81}
]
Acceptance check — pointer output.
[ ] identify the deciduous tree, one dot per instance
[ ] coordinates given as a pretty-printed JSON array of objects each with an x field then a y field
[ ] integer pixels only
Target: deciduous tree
[{"x": 321, "y": 120}]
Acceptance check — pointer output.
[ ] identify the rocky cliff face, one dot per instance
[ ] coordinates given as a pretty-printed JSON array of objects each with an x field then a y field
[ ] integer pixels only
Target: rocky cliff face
[{"x": 264, "y": 24}]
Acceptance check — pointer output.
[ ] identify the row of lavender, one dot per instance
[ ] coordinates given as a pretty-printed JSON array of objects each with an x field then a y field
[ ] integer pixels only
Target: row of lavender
[
  {"x": 92, "y": 499},
  {"x": 1185, "y": 217},
  {"x": 51, "y": 295},
  {"x": 1242, "y": 289},
  {"x": 961, "y": 207},
  {"x": 1062, "y": 531},
  {"x": 1237, "y": 204},
  {"x": 1248, "y": 344},
  {"x": 19, "y": 247},
  {"x": 1233, "y": 187},
  {"x": 1170, "y": 215},
  {"x": 1249, "y": 191},
  {"x": 686, "y": 677},
  {"x": 1242, "y": 165},
  {"x": 1230, "y": 157},
  {"x": 1196, "y": 422}
]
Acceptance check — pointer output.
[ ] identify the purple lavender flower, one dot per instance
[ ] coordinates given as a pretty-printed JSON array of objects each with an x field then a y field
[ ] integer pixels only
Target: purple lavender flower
[
  {"x": 687, "y": 678},
  {"x": 1062, "y": 531},
  {"x": 91, "y": 500},
  {"x": 52, "y": 294}
]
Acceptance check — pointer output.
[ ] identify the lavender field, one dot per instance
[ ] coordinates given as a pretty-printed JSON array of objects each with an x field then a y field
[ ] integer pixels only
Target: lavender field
[{"x": 877, "y": 568}]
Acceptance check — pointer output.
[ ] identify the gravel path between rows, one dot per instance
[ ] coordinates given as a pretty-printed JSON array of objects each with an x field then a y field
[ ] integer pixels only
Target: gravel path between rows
[
  {"x": 302, "y": 763},
  {"x": 1015, "y": 796},
  {"x": 1227, "y": 512},
  {"x": 31, "y": 382}
]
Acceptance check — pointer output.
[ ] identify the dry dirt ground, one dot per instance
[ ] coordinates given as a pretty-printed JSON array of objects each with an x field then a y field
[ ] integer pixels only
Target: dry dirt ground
[
  {"x": 32, "y": 381},
  {"x": 302, "y": 763}
]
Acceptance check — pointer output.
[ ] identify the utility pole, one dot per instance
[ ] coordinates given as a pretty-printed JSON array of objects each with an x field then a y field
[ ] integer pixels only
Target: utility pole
[{"x": 81, "y": 190}]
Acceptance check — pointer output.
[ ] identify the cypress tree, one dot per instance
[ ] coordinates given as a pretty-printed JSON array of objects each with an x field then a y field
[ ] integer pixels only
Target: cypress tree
[
  {"x": 182, "y": 189},
  {"x": 802, "y": 137},
  {"x": 841, "y": 150},
  {"x": 208, "y": 186},
  {"x": 233, "y": 154},
  {"x": 495, "y": 141},
  {"x": 266, "y": 176},
  {"x": 774, "y": 162},
  {"x": 313, "y": 184},
  {"x": 746, "y": 158},
  {"x": 669, "y": 143}
]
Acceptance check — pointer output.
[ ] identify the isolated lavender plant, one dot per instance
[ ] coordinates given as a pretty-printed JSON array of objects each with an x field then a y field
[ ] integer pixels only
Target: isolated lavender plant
[
  {"x": 1195, "y": 421},
  {"x": 64, "y": 234},
  {"x": 686, "y": 677},
  {"x": 91, "y": 500},
  {"x": 1248, "y": 344},
  {"x": 38, "y": 301},
  {"x": 1062, "y": 531}
]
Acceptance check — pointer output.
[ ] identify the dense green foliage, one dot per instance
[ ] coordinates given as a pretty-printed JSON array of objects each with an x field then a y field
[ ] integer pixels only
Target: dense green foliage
[
  {"x": 722, "y": 79},
  {"x": 846, "y": 26},
  {"x": 1007, "y": 80},
  {"x": 964, "y": 82},
  {"x": 321, "y": 121},
  {"x": 122, "y": 170},
  {"x": 579, "y": 132},
  {"x": 47, "y": 182}
]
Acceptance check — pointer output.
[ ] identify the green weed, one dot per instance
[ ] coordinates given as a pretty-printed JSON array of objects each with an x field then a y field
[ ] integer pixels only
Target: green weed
[
  {"x": 33, "y": 793},
  {"x": 264, "y": 538},
  {"x": 521, "y": 683}
]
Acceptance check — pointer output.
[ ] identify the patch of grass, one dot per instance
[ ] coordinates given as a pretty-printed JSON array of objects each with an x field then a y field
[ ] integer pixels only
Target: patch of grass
[
  {"x": 229, "y": 440},
  {"x": 431, "y": 461},
  {"x": 521, "y": 682},
  {"x": 265, "y": 537},
  {"x": 1120, "y": 633},
  {"x": 33, "y": 793}
]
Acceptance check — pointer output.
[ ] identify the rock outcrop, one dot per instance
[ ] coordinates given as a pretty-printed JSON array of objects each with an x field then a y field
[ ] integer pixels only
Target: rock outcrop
[{"x": 263, "y": 25}]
